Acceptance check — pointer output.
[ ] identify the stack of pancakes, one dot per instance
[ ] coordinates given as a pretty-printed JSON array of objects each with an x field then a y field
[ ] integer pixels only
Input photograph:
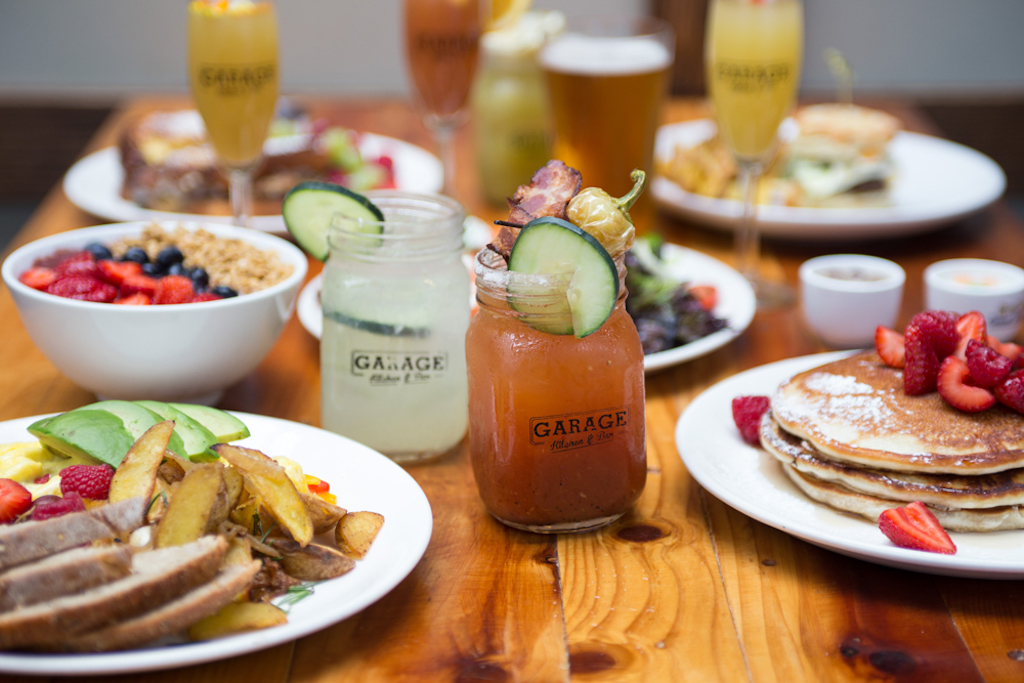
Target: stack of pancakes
[{"x": 849, "y": 437}]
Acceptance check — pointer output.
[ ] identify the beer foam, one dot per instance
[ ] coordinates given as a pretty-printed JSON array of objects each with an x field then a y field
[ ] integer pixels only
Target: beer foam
[{"x": 591, "y": 55}]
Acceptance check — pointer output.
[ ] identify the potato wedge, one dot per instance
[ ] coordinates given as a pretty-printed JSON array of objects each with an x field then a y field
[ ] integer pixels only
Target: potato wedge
[
  {"x": 271, "y": 483},
  {"x": 237, "y": 618},
  {"x": 136, "y": 475},
  {"x": 246, "y": 514},
  {"x": 323, "y": 515},
  {"x": 313, "y": 562},
  {"x": 356, "y": 532},
  {"x": 188, "y": 513}
]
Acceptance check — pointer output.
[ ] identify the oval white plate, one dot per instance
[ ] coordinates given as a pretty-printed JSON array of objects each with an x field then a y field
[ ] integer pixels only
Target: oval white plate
[
  {"x": 93, "y": 183},
  {"x": 736, "y": 303},
  {"x": 937, "y": 182},
  {"x": 362, "y": 478},
  {"x": 752, "y": 481}
]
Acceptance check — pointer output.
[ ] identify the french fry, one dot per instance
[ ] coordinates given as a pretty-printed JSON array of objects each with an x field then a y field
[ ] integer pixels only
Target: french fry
[
  {"x": 270, "y": 482},
  {"x": 313, "y": 562},
  {"x": 136, "y": 475},
  {"x": 356, "y": 532},
  {"x": 188, "y": 513},
  {"x": 238, "y": 617}
]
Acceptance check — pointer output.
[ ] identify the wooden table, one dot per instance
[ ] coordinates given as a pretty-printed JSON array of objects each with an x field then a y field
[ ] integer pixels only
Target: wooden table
[{"x": 684, "y": 588}]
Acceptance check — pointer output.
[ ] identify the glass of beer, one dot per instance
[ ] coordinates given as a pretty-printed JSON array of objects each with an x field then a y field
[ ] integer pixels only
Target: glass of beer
[
  {"x": 607, "y": 78},
  {"x": 442, "y": 39},
  {"x": 232, "y": 67},
  {"x": 753, "y": 55}
]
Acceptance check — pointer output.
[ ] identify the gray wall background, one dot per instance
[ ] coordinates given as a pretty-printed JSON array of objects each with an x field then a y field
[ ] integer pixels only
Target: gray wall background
[{"x": 107, "y": 48}]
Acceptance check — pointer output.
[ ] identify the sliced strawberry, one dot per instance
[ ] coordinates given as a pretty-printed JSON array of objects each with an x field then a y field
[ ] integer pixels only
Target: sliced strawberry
[
  {"x": 921, "y": 367},
  {"x": 173, "y": 289},
  {"x": 889, "y": 345},
  {"x": 15, "y": 500},
  {"x": 83, "y": 288},
  {"x": 79, "y": 263},
  {"x": 915, "y": 527},
  {"x": 205, "y": 296},
  {"x": 950, "y": 384},
  {"x": 38, "y": 278},
  {"x": 136, "y": 299},
  {"x": 988, "y": 367},
  {"x": 1010, "y": 391},
  {"x": 138, "y": 283},
  {"x": 939, "y": 327},
  {"x": 1008, "y": 349},
  {"x": 115, "y": 272},
  {"x": 746, "y": 413},
  {"x": 706, "y": 296},
  {"x": 969, "y": 326}
]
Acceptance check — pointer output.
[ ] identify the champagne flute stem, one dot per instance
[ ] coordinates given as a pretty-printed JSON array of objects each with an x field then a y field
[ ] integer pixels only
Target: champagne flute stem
[
  {"x": 240, "y": 190},
  {"x": 748, "y": 239},
  {"x": 445, "y": 136}
]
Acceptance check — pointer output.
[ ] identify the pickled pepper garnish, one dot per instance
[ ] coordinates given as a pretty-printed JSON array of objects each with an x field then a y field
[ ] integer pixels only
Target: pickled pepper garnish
[{"x": 606, "y": 217}]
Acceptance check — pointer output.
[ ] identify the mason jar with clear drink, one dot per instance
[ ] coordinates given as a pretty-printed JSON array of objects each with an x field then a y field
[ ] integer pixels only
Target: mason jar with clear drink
[{"x": 396, "y": 307}]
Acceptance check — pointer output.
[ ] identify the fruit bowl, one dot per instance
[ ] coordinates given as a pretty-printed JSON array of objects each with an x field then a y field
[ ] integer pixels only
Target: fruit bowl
[{"x": 184, "y": 352}]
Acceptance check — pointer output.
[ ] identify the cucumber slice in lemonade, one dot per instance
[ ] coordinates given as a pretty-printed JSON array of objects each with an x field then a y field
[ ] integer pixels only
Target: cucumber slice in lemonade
[
  {"x": 553, "y": 246},
  {"x": 310, "y": 207}
]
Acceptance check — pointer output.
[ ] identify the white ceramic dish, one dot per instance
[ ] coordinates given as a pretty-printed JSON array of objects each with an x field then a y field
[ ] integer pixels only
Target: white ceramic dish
[
  {"x": 93, "y": 183},
  {"x": 937, "y": 182},
  {"x": 362, "y": 479},
  {"x": 736, "y": 304},
  {"x": 186, "y": 352},
  {"x": 752, "y": 481},
  {"x": 994, "y": 288}
]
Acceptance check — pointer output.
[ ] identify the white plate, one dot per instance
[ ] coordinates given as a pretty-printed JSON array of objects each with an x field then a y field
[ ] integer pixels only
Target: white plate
[
  {"x": 93, "y": 184},
  {"x": 361, "y": 478},
  {"x": 736, "y": 304},
  {"x": 752, "y": 481},
  {"x": 936, "y": 182}
]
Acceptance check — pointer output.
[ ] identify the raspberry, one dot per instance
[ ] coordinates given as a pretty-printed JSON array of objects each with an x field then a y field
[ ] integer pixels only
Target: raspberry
[
  {"x": 138, "y": 283},
  {"x": 173, "y": 289},
  {"x": 88, "y": 481},
  {"x": 746, "y": 413},
  {"x": 15, "y": 500},
  {"x": 81, "y": 263},
  {"x": 1010, "y": 391},
  {"x": 921, "y": 369},
  {"x": 47, "y": 507},
  {"x": 83, "y": 288},
  {"x": 988, "y": 367},
  {"x": 939, "y": 328},
  {"x": 205, "y": 296},
  {"x": 969, "y": 326}
]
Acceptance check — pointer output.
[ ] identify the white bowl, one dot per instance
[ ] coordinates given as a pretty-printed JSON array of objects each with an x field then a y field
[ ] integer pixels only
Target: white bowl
[
  {"x": 847, "y": 296},
  {"x": 183, "y": 352},
  {"x": 994, "y": 288}
]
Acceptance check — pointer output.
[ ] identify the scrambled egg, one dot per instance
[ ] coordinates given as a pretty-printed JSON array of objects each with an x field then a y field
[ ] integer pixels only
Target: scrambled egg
[{"x": 24, "y": 462}]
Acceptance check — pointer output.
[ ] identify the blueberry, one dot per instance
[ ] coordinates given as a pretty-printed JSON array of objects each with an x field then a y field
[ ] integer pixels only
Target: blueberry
[
  {"x": 224, "y": 292},
  {"x": 151, "y": 269},
  {"x": 136, "y": 254},
  {"x": 98, "y": 251},
  {"x": 177, "y": 269},
  {"x": 168, "y": 256},
  {"x": 200, "y": 279}
]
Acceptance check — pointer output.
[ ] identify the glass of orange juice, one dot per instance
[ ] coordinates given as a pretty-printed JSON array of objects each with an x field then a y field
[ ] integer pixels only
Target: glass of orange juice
[
  {"x": 233, "y": 74},
  {"x": 753, "y": 56}
]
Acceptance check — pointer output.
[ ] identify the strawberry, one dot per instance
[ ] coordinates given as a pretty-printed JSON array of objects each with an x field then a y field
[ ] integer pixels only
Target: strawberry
[
  {"x": 115, "y": 272},
  {"x": 969, "y": 326},
  {"x": 915, "y": 527},
  {"x": 706, "y": 296},
  {"x": 138, "y": 283},
  {"x": 205, "y": 296},
  {"x": 939, "y": 327},
  {"x": 746, "y": 413},
  {"x": 988, "y": 367},
  {"x": 1010, "y": 391},
  {"x": 1009, "y": 349},
  {"x": 38, "y": 278},
  {"x": 83, "y": 288},
  {"x": 950, "y": 384},
  {"x": 921, "y": 368},
  {"x": 79, "y": 263},
  {"x": 889, "y": 345},
  {"x": 173, "y": 289},
  {"x": 136, "y": 299},
  {"x": 15, "y": 500},
  {"x": 88, "y": 481}
]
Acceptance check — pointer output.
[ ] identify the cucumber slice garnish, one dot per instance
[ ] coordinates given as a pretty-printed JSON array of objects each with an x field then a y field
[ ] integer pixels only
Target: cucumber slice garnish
[
  {"x": 309, "y": 208},
  {"x": 553, "y": 246}
]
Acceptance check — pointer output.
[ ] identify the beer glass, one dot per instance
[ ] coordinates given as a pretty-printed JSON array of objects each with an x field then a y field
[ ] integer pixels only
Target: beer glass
[
  {"x": 607, "y": 78},
  {"x": 232, "y": 67},
  {"x": 753, "y": 54}
]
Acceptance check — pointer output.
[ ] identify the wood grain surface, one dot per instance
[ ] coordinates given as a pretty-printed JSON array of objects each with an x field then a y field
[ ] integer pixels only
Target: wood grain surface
[{"x": 683, "y": 588}]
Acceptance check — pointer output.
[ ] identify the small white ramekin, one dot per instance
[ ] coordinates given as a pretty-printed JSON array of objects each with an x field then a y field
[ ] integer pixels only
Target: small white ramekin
[
  {"x": 994, "y": 288},
  {"x": 846, "y": 296}
]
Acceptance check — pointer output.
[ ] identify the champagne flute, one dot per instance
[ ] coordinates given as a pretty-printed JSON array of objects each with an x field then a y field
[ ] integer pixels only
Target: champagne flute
[
  {"x": 232, "y": 66},
  {"x": 753, "y": 54}
]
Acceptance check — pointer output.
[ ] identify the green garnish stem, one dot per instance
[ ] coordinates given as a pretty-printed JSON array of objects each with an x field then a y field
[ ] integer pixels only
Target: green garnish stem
[{"x": 639, "y": 179}]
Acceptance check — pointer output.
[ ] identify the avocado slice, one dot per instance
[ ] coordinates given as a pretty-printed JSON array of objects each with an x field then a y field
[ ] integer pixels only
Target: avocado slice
[
  {"x": 225, "y": 426},
  {"x": 196, "y": 438},
  {"x": 90, "y": 434},
  {"x": 137, "y": 419}
]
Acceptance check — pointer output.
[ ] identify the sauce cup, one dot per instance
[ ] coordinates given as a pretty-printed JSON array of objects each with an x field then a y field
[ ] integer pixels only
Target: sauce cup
[{"x": 993, "y": 288}]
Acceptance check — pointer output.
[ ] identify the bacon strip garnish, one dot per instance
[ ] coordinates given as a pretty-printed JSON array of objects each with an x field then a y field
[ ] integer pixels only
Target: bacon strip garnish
[{"x": 548, "y": 194}]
